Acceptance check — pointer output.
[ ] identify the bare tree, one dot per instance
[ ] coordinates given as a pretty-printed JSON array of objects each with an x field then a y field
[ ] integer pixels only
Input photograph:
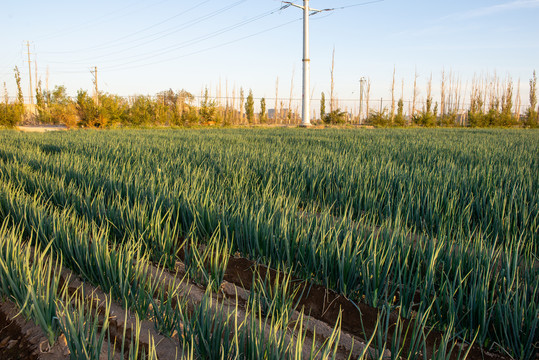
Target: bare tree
[
  {"x": 368, "y": 96},
  {"x": 289, "y": 115},
  {"x": 414, "y": 99},
  {"x": 442, "y": 95},
  {"x": 518, "y": 102},
  {"x": 332, "y": 93},
  {"x": 276, "y": 99},
  {"x": 393, "y": 96}
]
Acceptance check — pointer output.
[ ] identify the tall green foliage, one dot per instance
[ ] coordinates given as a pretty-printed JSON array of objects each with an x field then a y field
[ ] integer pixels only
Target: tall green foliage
[
  {"x": 12, "y": 113},
  {"x": 113, "y": 110},
  {"x": 43, "y": 110},
  {"x": 141, "y": 111},
  {"x": 399, "y": 118},
  {"x": 250, "y": 108},
  {"x": 531, "y": 114},
  {"x": 263, "y": 114},
  {"x": 87, "y": 110},
  {"x": 208, "y": 108},
  {"x": 322, "y": 106}
]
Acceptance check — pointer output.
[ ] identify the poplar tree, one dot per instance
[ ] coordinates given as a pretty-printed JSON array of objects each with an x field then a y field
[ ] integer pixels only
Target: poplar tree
[
  {"x": 263, "y": 118},
  {"x": 19, "y": 106},
  {"x": 250, "y": 107},
  {"x": 531, "y": 116},
  {"x": 322, "y": 106}
]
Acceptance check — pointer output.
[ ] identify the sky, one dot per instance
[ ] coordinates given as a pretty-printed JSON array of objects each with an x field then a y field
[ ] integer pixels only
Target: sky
[{"x": 146, "y": 46}]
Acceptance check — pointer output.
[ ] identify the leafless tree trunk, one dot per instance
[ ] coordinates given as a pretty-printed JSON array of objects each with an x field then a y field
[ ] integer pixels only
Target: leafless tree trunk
[
  {"x": 368, "y": 96},
  {"x": 290, "y": 99},
  {"x": 227, "y": 105},
  {"x": 393, "y": 96},
  {"x": 518, "y": 102},
  {"x": 276, "y": 117},
  {"x": 442, "y": 96},
  {"x": 414, "y": 99},
  {"x": 233, "y": 109},
  {"x": 331, "y": 95},
  {"x": 242, "y": 100}
]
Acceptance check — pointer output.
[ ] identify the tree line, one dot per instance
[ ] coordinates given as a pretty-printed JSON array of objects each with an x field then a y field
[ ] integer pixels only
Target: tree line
[{"x": 489, "y": 107}]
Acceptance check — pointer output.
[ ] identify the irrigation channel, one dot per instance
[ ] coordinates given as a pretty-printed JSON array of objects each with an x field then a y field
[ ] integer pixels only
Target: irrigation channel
[{"x": 269, "y": 243}]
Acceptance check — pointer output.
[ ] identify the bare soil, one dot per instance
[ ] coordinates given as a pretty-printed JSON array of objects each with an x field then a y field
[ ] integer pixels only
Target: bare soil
[
  {"x": 358, "y": 320},
  {"x": 22, "y": 339},
  {"x": 41, "y": 128}
]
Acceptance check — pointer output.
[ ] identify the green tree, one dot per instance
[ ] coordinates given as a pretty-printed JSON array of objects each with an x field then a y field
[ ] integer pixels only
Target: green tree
[
  {"x": 208, "y": 108},
  {"x": 335, "y": 117},
  {"x": 62, "y": 109},
  {"x": 399, "y": 118},
  {"x": 322, "y": 106},
  {"x": 113, "y": 110},
  {"x": 142, "y": 111},
  {"x": 7, "y": 111},
  {"x": 475, "y": 114},
  {"x": 427, "y": 117},
  {"x": 87, "y": 110},
  {"x": 43, "y": 111},
  {"x": 172, "y": 106},
  {"x": 506, "y": 115},
  {"x": 531, "y": 113},
  {"x": 263, "y": 116},
  {"x": 19, "y": 105},
  {"x": 11, "y": 114},
  {"x": 379, "y": 118},
  {"x": 250, "y": 107}
]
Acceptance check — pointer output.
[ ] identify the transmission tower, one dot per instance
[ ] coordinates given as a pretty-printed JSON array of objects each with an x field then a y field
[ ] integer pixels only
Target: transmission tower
[
  {"x": 306, "y": 103},
  {"x": 308, "y": 11}
]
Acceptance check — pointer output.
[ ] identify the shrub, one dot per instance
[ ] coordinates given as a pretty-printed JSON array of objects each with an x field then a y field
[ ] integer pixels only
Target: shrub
[{"x": 335, "y": 117}]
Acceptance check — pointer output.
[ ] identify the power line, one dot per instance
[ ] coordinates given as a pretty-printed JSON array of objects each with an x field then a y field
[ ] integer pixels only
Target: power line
[
  {"x": 307, "y": 12},
  {"x": 121, "y": 67},
  {"x": 108, "y": 44},
  {"x": 99, "y": 20},
  {"x": 354, "y": 5},
  {"x": 162, "y": 50},
  {"x": 168, "y": 49},
  {"x": 193, "y": 41},
  {"x": 185, "y": 26},
  {"x": 197, "y": 40}
]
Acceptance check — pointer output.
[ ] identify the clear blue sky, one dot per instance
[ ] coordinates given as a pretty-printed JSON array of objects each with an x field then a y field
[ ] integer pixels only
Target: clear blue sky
[{"x": 145, "y": 46}]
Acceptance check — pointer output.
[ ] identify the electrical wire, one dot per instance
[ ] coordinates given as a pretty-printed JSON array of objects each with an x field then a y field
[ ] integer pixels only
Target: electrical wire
[
  {"x": 198, "y": 39},
  {"x": 108, "y": 44},
  {"x": 99, "y": 20},
  {"x": 176, "y": 29},
  {"x": 354, "y": 5},
  {"x": 121, "y": 67},
  {"x": 205, "y": 37}
]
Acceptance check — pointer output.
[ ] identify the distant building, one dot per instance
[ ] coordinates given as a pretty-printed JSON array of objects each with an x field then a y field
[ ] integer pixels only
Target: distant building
[{"x": 283, "y": 114}]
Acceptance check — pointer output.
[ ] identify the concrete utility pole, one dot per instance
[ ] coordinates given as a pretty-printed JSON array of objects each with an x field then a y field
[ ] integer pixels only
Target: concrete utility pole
[
  {"x": 30, "y": 74},
  {"x": 361, "y": 92},
  {"x": 306, "y": 104}
]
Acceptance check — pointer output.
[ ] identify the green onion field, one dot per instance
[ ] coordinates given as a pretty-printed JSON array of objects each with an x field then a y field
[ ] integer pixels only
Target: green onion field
[{"x": 271, "y": 243}]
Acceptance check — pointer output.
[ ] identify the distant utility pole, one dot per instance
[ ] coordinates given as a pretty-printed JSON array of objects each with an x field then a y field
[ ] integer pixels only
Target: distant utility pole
[
  {"x": 96, "y": 98},
  {"x": 30, "y": 74},
  {"x": 362, "y": 82},
  {"x": 307, "y": 11}
]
